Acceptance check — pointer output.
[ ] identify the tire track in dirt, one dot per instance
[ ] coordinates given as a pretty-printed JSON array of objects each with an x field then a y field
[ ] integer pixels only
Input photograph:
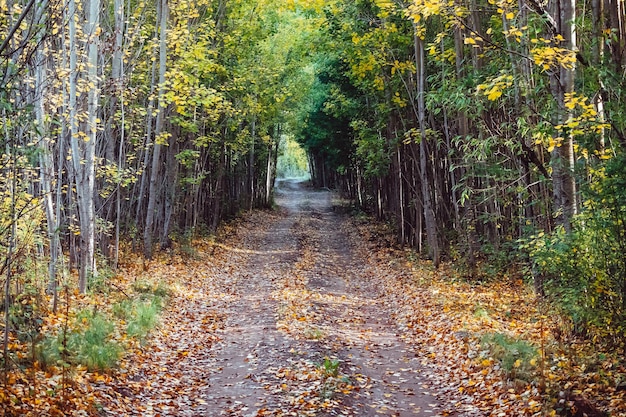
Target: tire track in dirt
[{"x": 356, "y": 325}]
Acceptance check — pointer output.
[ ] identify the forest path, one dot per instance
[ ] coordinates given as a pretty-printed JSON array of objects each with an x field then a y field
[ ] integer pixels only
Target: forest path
[
  {"x": 284, "y": 317},
  {"x": 307, "y": 333}
]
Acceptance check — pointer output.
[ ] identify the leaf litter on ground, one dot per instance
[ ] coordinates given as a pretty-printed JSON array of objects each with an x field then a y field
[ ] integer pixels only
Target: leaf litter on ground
[{"x": 469, "y": 339}]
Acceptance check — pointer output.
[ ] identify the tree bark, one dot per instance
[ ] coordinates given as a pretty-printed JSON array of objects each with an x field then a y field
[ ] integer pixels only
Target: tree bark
[
  {"x": 563, "y": 178},
  {"x": 156, "y": 153},
  {"x": 46, "y": 158},
  {"x": 117, "y": 73},
  {"x": 83, "y": 135},
  {"x": 429, "y": 212}
]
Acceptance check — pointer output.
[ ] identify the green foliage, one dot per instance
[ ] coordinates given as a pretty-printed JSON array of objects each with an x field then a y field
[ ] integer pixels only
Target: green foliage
[
  {"x": 92, "y": 338},
  {"x": 292, "y": 160},
  {"x": 516, "y": 356},
  {"x": 99, "y": 283},
  {"x": 143, "y": 317},
  {"x": 122, "y": 310},
  {"x": 585, "y": 271},
  {"x": 371, "y": 149},
  {"x": 330, "y": 367},
  {"x": 141, "y": 314},
  {"x": 332, "y": 381},
  {"x": 87, "y": 342},
  {"x": 93, "y": 349},
  {"x": 161, "y": 290},
  {"x": 323, "y": 128},
  {"x": 25, "y": 314}
]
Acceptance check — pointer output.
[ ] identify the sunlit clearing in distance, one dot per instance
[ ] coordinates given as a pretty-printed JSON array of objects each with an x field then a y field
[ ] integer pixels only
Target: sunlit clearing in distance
[{"x": 292, "y": 159}]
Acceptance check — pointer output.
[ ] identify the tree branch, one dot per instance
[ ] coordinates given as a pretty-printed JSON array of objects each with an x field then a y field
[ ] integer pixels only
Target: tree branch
[
  {"x": 16, "y": 26},
  {"x": 539, "y": 9}
]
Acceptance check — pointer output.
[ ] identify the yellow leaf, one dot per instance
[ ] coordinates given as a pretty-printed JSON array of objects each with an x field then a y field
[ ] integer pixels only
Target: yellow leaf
[
  {"x": 570, "y": 104},
  {"x": 469, "y": 41},
  {"x": 510, "y": 15},
  {"x": 494, "y": 94}
]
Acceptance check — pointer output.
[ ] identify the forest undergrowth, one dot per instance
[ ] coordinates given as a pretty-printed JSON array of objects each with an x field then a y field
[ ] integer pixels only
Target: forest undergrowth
[
  {"x": 66, "y": 361},
  {"x": 484, "y": 344},
  {"x": 504, "y": 349}
]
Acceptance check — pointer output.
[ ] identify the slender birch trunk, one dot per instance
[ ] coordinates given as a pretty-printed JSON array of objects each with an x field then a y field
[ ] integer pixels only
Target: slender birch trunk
[
  {"x": 117, "y": 72},
  {"x": 563, "y": 178},
  {"x": 156, "y": 153},
  {"x": 47, "y": 170}
]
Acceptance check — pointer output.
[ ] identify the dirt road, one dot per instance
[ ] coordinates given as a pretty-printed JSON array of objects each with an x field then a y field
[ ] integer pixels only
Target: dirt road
[
  {"x": 307, "y": 333},
  {"x": 283, "y": 317}
]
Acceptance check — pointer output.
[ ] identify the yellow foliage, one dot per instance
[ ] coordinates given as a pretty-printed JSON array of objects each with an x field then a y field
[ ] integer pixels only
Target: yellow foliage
[
  {"x": 549, "y": 57},
  {"x": 495, "y": 87},
  {"x": 554, "y": 142},
  {"x": 399, "y": 101},
  {"x": 385, "y": 6},
  {"x": 513, "y": 32},
  {"x": 581, "y": 113},
  {"x": 494, "y": 93},
  {"x": 379, "y": 83},
  {"x": 423, "y": 9}
]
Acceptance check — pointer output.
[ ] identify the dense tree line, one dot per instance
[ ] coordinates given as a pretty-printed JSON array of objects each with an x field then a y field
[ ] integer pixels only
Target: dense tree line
[
  {"x": 138, "y": 122},
  {"x": 488, "y": 132}
]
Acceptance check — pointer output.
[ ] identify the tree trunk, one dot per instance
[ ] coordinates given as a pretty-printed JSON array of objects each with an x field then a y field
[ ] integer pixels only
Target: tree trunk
[
  {"x": 83, "y": 136},
  {"x": 429, "y": 212},
  {"x": 171, "y": 173},
  {"x": 563, "y": 179},
  {"x": 401, "y": 197},
  {"x": 597, "y": 12},
  {"x": 156, "y": 153},
  {"x": 251, "y": 178},
  {"x": 617, "y": 25},
  {"x": 46, "y": 158},
  {"x": 268, "y": 175},
  {"x": 117, "y": 72}
]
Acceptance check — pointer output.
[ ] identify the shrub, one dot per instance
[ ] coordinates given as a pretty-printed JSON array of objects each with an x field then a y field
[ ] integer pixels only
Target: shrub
[
  {"x": 93, "y": 347},
  {"x": 584, "y": 272},
  {"x": 88, "y": 342},
  {"x": 143, "y": 318}
]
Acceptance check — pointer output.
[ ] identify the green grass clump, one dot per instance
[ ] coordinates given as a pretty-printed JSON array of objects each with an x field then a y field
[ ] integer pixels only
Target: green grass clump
[
  {"x": 143, "y": 318},
  {"x": 516, "y": 356},
  {"x": 87, "y": 342},
  {"x": 94, "y": 349}
]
